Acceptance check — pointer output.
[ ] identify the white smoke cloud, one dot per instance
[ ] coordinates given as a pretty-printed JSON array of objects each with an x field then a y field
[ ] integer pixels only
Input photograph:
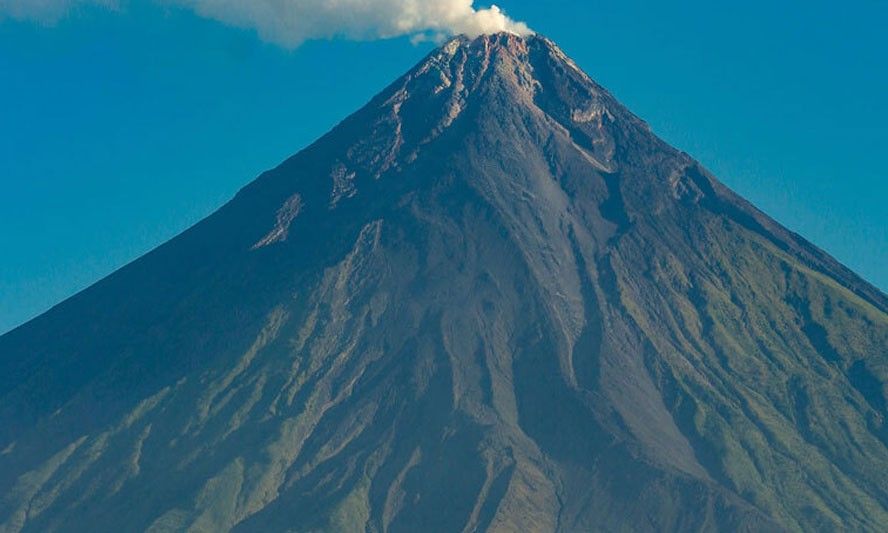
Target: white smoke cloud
[{"x": 292, "y": 22}]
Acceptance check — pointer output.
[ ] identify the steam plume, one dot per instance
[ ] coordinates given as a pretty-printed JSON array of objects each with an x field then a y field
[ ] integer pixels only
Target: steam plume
[{"x": 292, "y": 22}]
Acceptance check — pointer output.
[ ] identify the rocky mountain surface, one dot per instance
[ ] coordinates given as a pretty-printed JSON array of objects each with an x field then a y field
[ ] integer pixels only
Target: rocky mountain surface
[{"x": 490, "y": 300}]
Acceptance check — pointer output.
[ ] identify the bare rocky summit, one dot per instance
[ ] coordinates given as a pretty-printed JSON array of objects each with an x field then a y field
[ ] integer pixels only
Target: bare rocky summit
[{"x": 490, "y": 300}]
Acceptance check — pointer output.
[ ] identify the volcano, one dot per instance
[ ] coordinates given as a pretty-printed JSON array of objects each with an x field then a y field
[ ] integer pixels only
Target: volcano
[{"x": 490, "y": 300}]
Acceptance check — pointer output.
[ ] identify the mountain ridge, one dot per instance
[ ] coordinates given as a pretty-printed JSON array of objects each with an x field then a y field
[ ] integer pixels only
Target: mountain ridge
[{"x": 489, "y": 299}]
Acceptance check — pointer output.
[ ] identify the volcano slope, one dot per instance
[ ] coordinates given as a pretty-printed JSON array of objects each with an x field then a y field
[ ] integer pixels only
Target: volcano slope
[{"x": 490, "y": 300}]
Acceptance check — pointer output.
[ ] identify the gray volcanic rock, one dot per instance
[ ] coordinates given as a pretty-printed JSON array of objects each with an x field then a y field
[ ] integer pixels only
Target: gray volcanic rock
[{"x": 491, "y": 299}]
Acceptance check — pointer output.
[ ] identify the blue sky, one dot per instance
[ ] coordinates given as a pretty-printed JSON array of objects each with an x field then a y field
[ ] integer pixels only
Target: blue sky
[{"x": 121, "y": 127}]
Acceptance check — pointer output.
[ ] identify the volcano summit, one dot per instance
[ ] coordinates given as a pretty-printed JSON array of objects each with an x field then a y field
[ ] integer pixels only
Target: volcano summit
[{"x": 490, "y": 300}]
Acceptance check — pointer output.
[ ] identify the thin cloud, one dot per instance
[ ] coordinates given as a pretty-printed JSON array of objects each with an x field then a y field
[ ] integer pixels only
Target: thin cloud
[{"x": 46, "y": 11}]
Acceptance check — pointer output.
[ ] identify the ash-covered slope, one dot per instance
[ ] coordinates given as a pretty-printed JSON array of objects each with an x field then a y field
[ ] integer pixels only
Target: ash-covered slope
[{"x": 491, "y": 299}]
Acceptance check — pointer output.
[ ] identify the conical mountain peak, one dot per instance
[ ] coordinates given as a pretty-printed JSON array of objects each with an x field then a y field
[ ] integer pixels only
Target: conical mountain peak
[
  {"x": 490, "y": 300},
  {"x": 488, "y": 78},
  {"x": 527, "y": 70}
]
